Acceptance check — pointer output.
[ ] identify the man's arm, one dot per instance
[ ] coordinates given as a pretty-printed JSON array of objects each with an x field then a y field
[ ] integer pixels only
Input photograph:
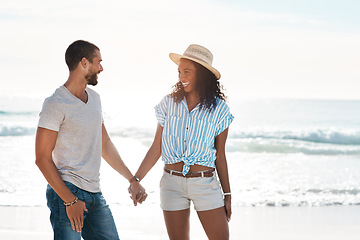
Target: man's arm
[
  {"x": 44, "y": 145},
  {"x": 112, "y": 157}
]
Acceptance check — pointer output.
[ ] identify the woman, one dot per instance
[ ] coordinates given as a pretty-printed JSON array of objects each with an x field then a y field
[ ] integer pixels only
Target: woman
[{"x": 192, "y": 129}]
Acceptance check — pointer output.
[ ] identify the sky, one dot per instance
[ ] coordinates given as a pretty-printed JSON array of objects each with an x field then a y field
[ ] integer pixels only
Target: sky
[{"x": 263, "y": 49}]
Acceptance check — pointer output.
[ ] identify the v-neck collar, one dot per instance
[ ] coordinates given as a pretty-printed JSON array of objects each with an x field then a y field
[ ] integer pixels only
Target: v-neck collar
[
  {"x": 184, "y": 102},
  {"x": 78, "y": 99}
]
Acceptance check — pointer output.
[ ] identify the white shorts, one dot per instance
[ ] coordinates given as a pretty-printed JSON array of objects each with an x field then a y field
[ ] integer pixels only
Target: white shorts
[{"x": 177, "y": 192}]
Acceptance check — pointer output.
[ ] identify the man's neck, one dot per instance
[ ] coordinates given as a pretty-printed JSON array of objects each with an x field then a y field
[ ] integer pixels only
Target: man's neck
[{"x": 77, "y": 85}]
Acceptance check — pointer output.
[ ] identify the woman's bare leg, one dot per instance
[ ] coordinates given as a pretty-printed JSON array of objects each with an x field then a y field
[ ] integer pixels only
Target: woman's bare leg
[
  {"x": 178, "y": 224},
  {"x": 215, "y": 223}
]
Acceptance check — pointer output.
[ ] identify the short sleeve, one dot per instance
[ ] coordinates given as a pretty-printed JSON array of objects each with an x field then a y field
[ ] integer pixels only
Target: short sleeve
[
  {"x": 225, "y": 119},
  {"x": 51, "y": 117},
  {"x": 161, "y": 111}
]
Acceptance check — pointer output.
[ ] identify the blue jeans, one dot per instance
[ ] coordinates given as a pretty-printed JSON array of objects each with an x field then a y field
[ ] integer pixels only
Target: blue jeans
[{"x": 98, "y": 220}]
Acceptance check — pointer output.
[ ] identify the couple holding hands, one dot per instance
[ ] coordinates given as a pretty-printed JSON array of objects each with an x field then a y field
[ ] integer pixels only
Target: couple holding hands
[{"x": 192, "y": 129}]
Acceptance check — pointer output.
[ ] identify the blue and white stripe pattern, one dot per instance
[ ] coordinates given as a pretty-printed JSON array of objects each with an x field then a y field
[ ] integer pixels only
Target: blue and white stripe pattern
[{"x": 190, "y": 137}]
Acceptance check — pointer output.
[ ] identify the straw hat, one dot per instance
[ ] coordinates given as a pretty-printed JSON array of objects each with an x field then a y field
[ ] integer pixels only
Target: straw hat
[{"x": 197, "y": 54}]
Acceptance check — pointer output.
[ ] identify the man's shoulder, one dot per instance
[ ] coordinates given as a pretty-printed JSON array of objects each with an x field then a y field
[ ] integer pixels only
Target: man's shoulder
[
  {"x": 55, "y": 96},
  {"x": 52, "y": 109},
  {"x": 62, "y": 94},
  {"x": 60, "y": 98}
]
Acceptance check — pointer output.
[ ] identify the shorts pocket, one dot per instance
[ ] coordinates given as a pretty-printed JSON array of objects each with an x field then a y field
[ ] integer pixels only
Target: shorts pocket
[
  {"x": 162, "y": 180},
  {"x": 215, "y": 184},
  {"x": 211, "y": 182},
  {"x": 167, "y": 181}
]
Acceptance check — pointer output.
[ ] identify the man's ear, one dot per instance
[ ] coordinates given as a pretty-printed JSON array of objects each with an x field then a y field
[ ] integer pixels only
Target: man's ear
[{"x": 84, "y": 62}]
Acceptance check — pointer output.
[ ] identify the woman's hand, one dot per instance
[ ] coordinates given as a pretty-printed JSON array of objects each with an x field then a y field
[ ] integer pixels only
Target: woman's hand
[
  {"x": 227, "y": 201},
  {"x": 138, "y": 193}
]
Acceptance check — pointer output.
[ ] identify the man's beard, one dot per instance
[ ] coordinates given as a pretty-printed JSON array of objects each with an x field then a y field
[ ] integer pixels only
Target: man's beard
[{"x": 92, "y": 78}]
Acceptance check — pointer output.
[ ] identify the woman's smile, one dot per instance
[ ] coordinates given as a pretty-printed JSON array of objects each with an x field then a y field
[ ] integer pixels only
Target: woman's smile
[{"x": 185, "y": 84}]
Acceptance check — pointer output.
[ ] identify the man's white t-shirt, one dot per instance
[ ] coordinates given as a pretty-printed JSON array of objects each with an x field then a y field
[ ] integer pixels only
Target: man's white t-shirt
[{"x": 77, "y": 153}]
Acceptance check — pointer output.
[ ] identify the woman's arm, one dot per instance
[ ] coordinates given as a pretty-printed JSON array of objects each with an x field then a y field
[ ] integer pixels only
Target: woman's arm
[
  {"x": 222, "y": 169},
  {"x": 152, "y": 155}
]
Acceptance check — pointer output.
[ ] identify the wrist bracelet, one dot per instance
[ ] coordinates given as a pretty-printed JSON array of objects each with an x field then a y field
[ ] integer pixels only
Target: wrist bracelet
[
  {"x": 71, "y": 203},
  {"x": 227, "y": 193},
  {"x": 134, "y": 178}
]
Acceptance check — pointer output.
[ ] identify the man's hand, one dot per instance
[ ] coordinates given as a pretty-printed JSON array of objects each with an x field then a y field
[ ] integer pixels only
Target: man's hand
[
  {"x": 138, "y": 193},
  {"x": 75, "y": 214}
]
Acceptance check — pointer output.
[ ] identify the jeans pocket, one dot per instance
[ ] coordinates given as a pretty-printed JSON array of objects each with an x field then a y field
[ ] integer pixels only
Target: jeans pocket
[
  {"x": 50, "y": 197},
  {"x": 74, "y": 189},
  {"x": 53, "y": 199}
]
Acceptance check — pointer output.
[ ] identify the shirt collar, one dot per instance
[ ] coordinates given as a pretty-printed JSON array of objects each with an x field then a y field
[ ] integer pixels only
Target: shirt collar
[{"x": 186, "y": 106}]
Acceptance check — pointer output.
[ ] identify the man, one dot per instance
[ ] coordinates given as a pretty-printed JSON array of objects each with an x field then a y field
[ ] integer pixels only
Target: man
[{"x": 71, "y": 139}]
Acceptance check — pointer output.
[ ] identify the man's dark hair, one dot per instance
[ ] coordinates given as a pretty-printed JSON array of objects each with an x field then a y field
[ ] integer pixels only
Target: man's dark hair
[
  {"x": 207, "y": 86},
  {"x": 78, "y": 50}
]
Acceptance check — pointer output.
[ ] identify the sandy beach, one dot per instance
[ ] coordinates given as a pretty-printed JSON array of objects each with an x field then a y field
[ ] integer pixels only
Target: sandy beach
[{"x": 250, "y": 223}]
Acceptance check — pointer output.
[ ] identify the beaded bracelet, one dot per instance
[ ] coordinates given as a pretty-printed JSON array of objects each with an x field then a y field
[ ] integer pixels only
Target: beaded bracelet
[{"x": 71, "y": 203}]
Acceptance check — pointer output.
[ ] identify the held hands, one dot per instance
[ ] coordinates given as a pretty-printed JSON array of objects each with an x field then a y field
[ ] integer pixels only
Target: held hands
[{"x": 137, "y": 192}]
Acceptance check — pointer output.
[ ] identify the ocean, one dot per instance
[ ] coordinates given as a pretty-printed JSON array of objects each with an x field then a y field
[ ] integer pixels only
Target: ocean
[{"x": 280, "y": 152}]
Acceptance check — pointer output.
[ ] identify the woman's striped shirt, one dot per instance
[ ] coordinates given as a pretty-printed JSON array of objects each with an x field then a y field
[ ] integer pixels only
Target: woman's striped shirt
[{"x": 190, "y": 136}]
